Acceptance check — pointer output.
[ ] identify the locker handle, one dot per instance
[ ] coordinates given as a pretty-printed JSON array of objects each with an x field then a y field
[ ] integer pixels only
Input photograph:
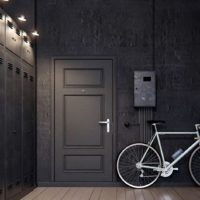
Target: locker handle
[
  {"x": 10, "y": 187},
  {"x": 14, "y": 132},
  {"x": 1, "y": 191},
  {"x": 1, "y": 16},
  {"x": 14, "y": 39}
]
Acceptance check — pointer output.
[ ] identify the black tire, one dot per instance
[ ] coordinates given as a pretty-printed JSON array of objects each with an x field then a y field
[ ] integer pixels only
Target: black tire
[
  {"x": 130, "y": 174},
  {"x": 194, "y": 165}
]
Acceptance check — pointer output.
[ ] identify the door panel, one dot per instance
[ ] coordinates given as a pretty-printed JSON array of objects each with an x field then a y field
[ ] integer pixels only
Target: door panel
[
  {"x": 83, "y": 97},
  {"x": 76, "y": 110}
]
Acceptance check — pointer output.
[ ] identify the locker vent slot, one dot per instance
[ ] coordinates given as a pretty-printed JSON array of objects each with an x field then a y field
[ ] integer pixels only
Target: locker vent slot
[
  {"x": 25, "y": 75},
  {"x": 17, "y": 183},
  {"x": 25, "y": 39},
  {"x": 1, "y": 61},
  {"x": 10, "y": 66},
  {"x": 10, "y": 24},
  {"x": 31, "y": 78},
  {"x": 18, "y": 31},
  {"x": 26, "y": 179},
  {"x": 31, "y": 44},
  {"x": 1, "y": 16},
  {"x": 18, "y": 70}
]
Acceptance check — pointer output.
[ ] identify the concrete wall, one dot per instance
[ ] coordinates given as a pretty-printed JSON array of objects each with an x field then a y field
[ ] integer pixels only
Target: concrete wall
[{"x": 162, "y": 35}]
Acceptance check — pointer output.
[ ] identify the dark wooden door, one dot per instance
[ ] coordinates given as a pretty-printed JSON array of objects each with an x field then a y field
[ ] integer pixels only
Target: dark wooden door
[{"x": 83, "y": 97}]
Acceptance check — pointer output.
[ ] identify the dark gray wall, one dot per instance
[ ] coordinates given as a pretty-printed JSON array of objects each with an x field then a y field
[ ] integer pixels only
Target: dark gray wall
[{"x": 142, "y": 34}]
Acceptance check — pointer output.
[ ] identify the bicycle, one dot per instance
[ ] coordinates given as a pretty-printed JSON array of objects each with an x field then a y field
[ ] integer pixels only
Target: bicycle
[{"x": 139, "y": 165}]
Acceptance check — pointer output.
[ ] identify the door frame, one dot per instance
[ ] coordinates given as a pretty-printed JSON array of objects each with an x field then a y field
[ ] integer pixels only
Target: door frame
[{"x": 52, "y": 131}]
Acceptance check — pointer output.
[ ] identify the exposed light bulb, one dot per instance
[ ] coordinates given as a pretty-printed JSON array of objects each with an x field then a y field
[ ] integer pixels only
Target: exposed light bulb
[
  {"x": 22, "y": 18},
  {"x": 5, "y": 0},
  {"x": 35, "y": 33}
]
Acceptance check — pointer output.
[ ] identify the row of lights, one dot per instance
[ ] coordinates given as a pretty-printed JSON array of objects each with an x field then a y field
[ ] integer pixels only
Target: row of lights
[{"x": 22, "y": 18}]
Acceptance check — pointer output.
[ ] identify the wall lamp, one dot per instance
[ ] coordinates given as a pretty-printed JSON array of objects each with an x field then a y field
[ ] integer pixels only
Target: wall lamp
[
  {"x": 22, "y": 18},
  {"x": 35, "y": 33}
]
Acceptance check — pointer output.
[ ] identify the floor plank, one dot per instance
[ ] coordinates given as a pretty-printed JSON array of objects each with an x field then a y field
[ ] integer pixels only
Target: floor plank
[
  {"x": 147, "y": 194},
  {"x": 108, "y": 194},
  {"x": 63, "y": 191},
  {"x": 129, "y": 193},
  {"x": 70, "y": 193},
  {"x": 186, "y": 193},
  {"x": 96, "y": 193},
  {"x": 121, "y": 193},
  {"x": 36, "y": 192},
  {"x": 83, "y": 193},
  {"x": 48, "y": 194},
  {"x": 138, "y": 194}
]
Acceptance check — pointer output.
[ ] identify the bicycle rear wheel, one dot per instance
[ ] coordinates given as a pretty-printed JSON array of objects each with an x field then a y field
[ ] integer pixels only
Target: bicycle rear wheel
[
  {"x": 128, "y": 165},
  {"x": 194, "y": 165}
]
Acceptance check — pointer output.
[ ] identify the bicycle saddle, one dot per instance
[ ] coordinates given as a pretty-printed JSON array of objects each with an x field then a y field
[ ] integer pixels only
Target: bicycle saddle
[{"x": 156, "y": 122}]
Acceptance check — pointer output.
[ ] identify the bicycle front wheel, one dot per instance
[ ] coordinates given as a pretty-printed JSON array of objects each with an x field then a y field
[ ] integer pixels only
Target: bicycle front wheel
[
  {"x": 194, "y": 165},
  {"x": 128, "y": 165}
]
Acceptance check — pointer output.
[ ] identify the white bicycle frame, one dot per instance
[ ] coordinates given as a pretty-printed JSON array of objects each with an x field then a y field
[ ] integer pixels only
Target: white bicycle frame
[{"x": 157, "y": 136}]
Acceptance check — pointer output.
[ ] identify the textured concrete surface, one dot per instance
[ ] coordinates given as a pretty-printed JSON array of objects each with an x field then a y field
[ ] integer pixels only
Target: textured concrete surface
[{"x": 142, "y": 35}]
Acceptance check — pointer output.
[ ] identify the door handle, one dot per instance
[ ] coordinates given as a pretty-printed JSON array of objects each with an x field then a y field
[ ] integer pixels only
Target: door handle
[{"x": 107, "y": 122}]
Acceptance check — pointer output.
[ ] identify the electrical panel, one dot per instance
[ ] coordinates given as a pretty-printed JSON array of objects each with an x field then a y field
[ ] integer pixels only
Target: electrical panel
[{"x": 144, "y": 89}]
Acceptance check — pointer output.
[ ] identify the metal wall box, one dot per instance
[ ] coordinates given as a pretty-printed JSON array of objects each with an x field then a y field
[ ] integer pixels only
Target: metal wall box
[
  {"x": 2, "y": 27},
  {"x": 27, "y": 49},
  {"x": 144, "y": 89},
  {"x": 13, "y": 36}
]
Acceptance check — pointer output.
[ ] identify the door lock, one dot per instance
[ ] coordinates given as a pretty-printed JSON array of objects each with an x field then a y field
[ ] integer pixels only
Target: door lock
[{"x": 107, "y": 122}]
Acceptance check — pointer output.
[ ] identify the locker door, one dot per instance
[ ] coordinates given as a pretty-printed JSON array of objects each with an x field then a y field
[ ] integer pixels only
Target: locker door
[
  {"x": 13, "y": 37},
  {"x": 28, "y": 127},
  {"x": 2, "y": 27},
  {"x": 13, "y": 129},
  {"x": 2, "y": 117},
  {"x": 27, "y": 50}
]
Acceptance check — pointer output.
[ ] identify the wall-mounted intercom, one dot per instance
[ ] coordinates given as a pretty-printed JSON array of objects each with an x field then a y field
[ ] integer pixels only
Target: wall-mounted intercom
[{"x": 144, "y": 89}]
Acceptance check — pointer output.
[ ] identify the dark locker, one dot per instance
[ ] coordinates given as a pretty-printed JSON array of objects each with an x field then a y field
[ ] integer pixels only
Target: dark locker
[
  {"x": 2, "y": 27},
  {"x": 28, "y": 126},
  {"x": 13, "y": 37},
  {"x": 27, "y": 49},
  {"x": 14, "y": 125},
  {"x": 2, "y": 121}
]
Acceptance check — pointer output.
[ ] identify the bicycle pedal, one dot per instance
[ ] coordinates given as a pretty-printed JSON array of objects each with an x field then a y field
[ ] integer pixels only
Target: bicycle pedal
[{"x": 175, "y": 169}]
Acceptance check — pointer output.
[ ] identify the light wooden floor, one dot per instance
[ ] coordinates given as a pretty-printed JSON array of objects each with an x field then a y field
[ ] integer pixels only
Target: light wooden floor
[{"x": 113, "y": 193}]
